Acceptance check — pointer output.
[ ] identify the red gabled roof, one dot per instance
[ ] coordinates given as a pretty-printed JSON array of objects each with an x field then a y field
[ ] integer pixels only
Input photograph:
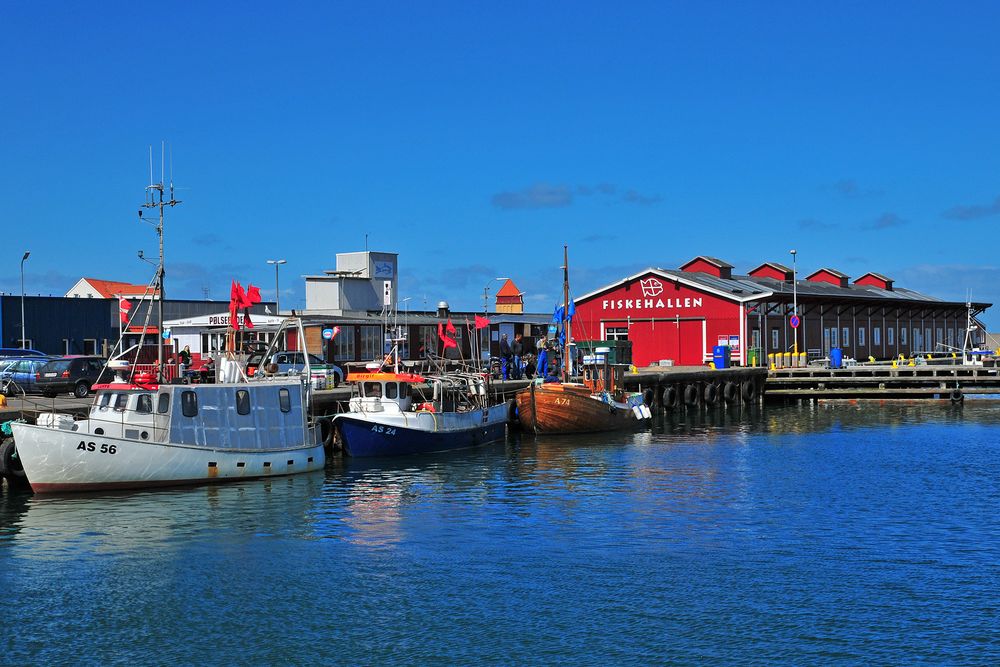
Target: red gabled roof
[
  {"x": 508, "y": 289},
  {"x": 109, "y": 289}
]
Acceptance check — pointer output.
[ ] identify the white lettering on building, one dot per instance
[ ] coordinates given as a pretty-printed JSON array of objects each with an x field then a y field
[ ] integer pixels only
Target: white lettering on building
[{"x": 650, "y": 304}]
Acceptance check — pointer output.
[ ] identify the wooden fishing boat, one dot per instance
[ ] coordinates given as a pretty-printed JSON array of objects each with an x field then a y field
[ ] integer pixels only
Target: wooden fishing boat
[{"x": 596, "y": 404}]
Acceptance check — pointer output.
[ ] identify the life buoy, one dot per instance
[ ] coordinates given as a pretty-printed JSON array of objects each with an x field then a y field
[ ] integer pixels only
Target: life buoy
[
  {"x": 427, "y": 406},
  {"x": 670, "y": 397},
  {"x": 730, "y": 392},
  {"x": 956, "y": 395},
  {"x": 711, "y": 394},
  {"x": 749, "y": 391},
  {"x": 691, "y": 395}
]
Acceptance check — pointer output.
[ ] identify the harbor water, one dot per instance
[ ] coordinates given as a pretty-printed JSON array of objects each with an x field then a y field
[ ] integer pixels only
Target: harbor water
[{"x": 829, "y": 533}]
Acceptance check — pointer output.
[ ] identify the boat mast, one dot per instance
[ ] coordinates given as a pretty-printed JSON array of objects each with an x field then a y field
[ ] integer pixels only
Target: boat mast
[
  {"x": 567, "y": 366},
  {"x": 154, "y": 199}
]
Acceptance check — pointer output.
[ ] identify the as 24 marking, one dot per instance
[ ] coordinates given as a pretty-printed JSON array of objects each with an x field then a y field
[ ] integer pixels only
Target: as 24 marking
[
  {"x": 104, "y": 447},
  {"x": 387, "y": 430}
]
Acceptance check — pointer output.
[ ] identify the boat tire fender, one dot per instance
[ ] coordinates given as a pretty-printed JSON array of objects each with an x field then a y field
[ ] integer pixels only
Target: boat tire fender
[
  {"x": 956, "y": 395},
  {"x": 670, "y": 397},
  {"x": 691, "y": 395},
  {"x": 512, "y": 416},
  {"x": 749, "y": 391},
  {"x": 325, "y": 426},
  {"x": 711, "y": 394},
  {"x": 730, "y": 392},
  {"x": 10, "y": 465},
  {"x": 648, "y": 396}
]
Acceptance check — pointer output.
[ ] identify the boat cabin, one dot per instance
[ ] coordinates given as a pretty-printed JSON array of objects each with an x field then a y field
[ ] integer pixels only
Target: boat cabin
[
  {"x": 600, "y": 375},
  {"x": 265, "y": 415}
]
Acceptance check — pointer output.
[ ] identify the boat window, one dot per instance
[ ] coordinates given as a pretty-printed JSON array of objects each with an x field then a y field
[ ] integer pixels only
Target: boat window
[
  {"x": 163, "y": 404},
  {"x": 189, "y": 403},
  {"x": 390, "y": 390},
  {"x": 144, "y": 404},
  {"x": 404, "y": 390},
  {"x": 121, "y": 400},
  {"x": 242, "y": 402},
  {"x": 105, "y": 400},
  {"x": 373, "y": 389},
  {"x": 284, "y": 400}
]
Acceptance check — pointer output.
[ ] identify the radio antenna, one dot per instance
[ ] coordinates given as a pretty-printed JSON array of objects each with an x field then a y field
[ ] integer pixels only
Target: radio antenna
[{"x": 151, "y": 164}]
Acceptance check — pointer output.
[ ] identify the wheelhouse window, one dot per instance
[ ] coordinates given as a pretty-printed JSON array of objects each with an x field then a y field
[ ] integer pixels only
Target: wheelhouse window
[
  {"x": 105, "y": 400},
  {"x": 163, "y": 403},
  {"x": 404, "y": 390},
  {"x": 121, "y": 402},
  {"x": 189, "y": 404},
  {"x": 284, "y": 400},
  {"x": 372, "y": 389},
  {"x": 242, "y": 402},
  {"x": 390, "y": 390},
  {"x": 144, "y": 404}
]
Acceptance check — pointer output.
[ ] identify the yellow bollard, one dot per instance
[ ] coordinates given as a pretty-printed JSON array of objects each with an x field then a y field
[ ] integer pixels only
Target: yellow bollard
[
  {"x": 895, "y": 364},
  {"x": 3, "y": 401},
  {"x": 802, "y": 360}
]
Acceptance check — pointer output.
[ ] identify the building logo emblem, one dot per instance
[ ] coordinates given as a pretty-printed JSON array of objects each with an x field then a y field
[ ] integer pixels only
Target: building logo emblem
[{"x": 651, "y": 287}]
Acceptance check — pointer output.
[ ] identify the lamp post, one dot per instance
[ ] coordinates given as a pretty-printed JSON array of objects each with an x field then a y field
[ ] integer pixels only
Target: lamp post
[
  {"x": 23, "y": 343},
  {"x": 795, "y": 305},
  {"x": 486, "y": 311},
  {"x": 277, "y": 263}
]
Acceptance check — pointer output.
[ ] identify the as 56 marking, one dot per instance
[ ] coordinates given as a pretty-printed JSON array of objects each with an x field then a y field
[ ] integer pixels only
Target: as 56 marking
[
  {"x": 388, "y": 430},
  {"x": 104, "y": 447}
]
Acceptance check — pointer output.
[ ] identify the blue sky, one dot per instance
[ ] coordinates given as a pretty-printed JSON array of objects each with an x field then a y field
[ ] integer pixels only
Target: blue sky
[{"x": 475, "y": 139}]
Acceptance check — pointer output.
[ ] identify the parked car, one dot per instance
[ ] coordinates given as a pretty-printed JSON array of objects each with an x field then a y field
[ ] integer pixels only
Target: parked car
[
  {"x": 75, "y": 375},
  {"x": 285, "y": 362},
  {"x": 18, "y": 352},
  {"x": 18, "y": 375}
]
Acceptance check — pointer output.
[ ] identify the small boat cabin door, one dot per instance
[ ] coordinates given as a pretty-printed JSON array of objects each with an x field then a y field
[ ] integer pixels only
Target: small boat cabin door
[{"x": 600, "y": 375}]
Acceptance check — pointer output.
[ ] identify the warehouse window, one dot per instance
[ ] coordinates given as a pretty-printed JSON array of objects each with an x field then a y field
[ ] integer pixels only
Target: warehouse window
[
  {"x": 940, "y": 337},
  {"x": 846, "y": 340},
  {"x": 951, "y": 338},
  {"x": 890, "y": 336},
  {"x": 861, "y": 336},
  {"x": 616, "y": 333},
  {"x": 834, "y": 341},
  {"x": 902, "y": 336},
  {"x": 774, "y": 339},
  {"x": 876, "y": 336}
]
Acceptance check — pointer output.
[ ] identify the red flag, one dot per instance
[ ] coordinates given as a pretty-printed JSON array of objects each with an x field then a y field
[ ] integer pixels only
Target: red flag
[
  {"x": 482, "y": 322},
  {"x": 235, "y": 299},
  {"x": 123, "y": 307},
  {"x": 446, "y": 340},
  {"x": 450, "y": 328},
  {"x": 123, "y": 314},
  {"x": 253, "y": 295}
]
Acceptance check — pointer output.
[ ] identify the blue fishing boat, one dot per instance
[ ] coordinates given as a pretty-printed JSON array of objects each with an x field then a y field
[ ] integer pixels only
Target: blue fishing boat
[{"x": 397, "y": 414}]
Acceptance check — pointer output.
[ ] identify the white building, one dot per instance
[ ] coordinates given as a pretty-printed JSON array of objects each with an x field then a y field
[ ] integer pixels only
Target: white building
[{"x": 362, "y": 281}]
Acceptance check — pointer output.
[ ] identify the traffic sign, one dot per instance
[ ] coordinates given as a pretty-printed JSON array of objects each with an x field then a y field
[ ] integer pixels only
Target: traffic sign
[{"x": 794, "y": 321}]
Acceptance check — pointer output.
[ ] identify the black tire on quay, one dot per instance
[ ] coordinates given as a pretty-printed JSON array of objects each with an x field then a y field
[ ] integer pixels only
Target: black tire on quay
[
  {"x": 670, "y": 397},
  {"x": 956, "y": 395},
  {"x": 691, "y": 395},
  {"x": 749, "y": 391},
  {"x": 731, "y": 392},
  {"x": 711, "y": 394}
]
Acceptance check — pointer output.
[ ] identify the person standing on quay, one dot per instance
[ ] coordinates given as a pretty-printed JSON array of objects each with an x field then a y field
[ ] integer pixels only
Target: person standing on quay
[
  {"x": 185, "y": 358},
  {"x": 505, "y": 356},
  {"x": 517, "y": 350}
]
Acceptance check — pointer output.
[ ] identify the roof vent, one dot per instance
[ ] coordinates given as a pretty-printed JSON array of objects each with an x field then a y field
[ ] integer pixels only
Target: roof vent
[{"x": 710, "y": 265}]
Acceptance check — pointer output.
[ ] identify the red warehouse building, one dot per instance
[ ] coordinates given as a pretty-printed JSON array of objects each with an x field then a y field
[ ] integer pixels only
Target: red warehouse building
[{"x": 681, "y": 314}]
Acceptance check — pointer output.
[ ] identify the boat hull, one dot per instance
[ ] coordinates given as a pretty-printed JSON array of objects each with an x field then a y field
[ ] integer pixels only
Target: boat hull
[
  {"x": 422, "y": 433},
  {"x": 58, "y": 460},
  {"x": 558, "y": 408}
]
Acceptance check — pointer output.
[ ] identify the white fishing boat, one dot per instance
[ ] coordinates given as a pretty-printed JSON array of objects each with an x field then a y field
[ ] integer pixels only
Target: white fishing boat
[
  {"x": 140, "y": 435},
  {"x": 141, "y": 432}
]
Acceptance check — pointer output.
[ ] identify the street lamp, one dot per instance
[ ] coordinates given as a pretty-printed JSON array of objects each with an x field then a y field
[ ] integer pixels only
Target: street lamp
[
  {"x": 276, "y": 262},
  {"x": 795, "y": 305},
  {"x": 486, "y": 311},
  {"x": 23, "y": 342}
]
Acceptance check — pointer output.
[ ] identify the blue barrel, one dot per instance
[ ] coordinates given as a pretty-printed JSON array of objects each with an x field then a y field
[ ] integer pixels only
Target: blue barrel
[
  {"x": 836, "y": 357},
  {"x": 720, "y": 356}
]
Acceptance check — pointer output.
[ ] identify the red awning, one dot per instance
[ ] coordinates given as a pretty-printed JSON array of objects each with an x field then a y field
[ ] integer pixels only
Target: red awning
[{"x": 139, "y": 329}]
